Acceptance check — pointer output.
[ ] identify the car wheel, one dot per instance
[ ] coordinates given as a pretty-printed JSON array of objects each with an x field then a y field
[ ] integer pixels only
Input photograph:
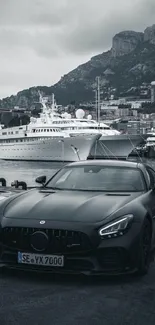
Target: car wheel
[{"x": 145, "y": 249}]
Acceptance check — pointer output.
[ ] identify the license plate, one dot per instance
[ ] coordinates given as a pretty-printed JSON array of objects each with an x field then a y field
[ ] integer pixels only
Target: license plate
[{"x": 40, "y": 259}]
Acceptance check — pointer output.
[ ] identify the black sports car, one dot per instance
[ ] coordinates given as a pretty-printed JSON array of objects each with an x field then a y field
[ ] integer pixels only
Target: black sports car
[{"x": 91, "y": 217}]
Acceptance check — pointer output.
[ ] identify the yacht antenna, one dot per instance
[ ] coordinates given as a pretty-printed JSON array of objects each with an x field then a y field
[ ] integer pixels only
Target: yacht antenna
[{"x": 54, "y": 106}]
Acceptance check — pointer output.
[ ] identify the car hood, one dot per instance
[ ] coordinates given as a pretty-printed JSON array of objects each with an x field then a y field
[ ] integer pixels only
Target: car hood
[{"x": 66, "y": 206}]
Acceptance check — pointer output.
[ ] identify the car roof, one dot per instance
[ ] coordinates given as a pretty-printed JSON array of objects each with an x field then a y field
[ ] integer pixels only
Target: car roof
[{"x": 109, "y": 162}]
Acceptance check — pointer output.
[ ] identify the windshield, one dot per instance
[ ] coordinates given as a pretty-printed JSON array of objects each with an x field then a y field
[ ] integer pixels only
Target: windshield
[{"x": 98, "y": 178}]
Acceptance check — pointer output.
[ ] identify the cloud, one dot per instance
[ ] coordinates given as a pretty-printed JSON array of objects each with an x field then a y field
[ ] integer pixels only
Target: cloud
[
  {"x": 40, "y": 40},
  {"x": 31, "y": 12},
  {"x": 95, "y": 31}
]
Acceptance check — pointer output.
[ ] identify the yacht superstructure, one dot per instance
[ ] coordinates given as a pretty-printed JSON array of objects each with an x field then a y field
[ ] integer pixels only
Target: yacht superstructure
[{"x": 40, "y": 139}]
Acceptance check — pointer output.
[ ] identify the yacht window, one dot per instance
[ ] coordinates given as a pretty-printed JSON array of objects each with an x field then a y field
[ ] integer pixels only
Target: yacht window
[
  {"x": 47, "y": 130},
  {"x": 44, "y": 130}
]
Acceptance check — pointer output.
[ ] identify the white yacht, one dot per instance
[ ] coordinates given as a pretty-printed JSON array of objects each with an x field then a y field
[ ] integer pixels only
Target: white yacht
[
  {"x": 43, "y": 137},
  {"x": 150, "y": 140}
]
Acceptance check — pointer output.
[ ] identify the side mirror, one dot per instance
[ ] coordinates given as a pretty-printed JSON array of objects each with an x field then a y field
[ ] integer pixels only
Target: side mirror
[{"x": 41, "y": 180}]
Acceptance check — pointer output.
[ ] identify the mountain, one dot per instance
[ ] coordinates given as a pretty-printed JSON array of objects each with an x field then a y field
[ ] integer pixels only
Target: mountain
[{"x": 129, "y": 63}]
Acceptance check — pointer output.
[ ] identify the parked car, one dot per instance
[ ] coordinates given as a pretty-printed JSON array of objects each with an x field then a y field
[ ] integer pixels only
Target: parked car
[{"x": 91, "y": 217}]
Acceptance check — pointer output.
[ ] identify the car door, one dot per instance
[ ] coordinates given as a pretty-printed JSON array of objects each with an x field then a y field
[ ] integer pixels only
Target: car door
[{"x": 151, "y": 173}]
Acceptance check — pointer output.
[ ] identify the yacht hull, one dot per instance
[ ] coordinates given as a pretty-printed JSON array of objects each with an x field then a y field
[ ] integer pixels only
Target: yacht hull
[
  {"x": 65, "y": 149},
  {"x": 70, "y": 149},
  {"x": 117, "y": 146}
]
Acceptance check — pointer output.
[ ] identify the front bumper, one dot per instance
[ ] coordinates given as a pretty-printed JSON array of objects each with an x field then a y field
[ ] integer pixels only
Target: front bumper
[{"x": 110, "y": 257}]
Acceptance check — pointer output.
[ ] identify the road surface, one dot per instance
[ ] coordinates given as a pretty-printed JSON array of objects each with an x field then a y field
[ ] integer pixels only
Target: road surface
[{"x": 30, "y": 299}]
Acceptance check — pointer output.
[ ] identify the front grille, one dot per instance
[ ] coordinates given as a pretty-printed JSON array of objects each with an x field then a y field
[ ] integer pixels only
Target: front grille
[{"x": 60, "y": 241}]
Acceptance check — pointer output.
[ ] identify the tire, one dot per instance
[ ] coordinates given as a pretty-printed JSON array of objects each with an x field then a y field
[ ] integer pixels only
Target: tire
[{"x": 145, "y": 249}]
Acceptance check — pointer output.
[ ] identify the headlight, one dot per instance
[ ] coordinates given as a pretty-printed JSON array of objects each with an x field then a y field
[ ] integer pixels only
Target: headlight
[{"x": 116, "y": 228}]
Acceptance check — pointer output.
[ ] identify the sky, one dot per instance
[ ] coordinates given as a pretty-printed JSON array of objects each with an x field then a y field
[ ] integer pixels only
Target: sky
[{"x": 41, "y": 40}]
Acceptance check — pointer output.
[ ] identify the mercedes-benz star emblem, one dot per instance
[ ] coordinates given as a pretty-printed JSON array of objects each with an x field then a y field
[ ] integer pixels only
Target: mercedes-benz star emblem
[{"x": 42, "y": 222}]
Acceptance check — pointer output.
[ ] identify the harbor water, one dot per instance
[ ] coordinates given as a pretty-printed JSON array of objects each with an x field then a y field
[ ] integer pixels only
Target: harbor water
[{"x": 28, "y": 171}]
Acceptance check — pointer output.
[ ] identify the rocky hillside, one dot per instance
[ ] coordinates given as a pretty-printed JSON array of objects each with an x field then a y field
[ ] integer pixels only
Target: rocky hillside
[{"x": 129, "y": 63}]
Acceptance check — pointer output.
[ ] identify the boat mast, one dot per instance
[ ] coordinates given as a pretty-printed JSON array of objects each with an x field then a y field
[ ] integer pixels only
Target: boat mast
[
  {"x": 98, "y": 104},
  {"x": 53, "y": 100}
]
